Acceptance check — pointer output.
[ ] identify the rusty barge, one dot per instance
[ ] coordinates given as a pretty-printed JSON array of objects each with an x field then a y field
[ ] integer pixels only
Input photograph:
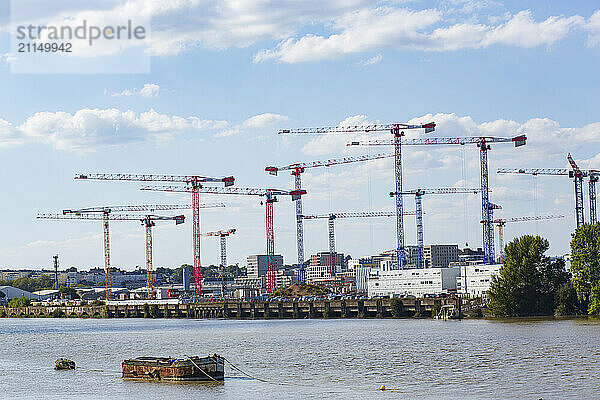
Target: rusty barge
[{"x": 199, "y": 369}]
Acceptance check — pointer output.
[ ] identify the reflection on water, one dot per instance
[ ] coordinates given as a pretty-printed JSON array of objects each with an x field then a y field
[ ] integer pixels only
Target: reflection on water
[{"x": 302, "y": 359}]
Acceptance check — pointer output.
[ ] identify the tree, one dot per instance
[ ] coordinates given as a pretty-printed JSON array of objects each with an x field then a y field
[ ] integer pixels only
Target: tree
[
  {"x": 528, "y": 281},
  {"x": 19, "y": 302},
  {"x": 585, "y": 266}
]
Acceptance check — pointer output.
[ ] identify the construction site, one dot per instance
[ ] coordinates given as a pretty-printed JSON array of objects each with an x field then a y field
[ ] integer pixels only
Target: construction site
[{"x": 408, "y": 270}]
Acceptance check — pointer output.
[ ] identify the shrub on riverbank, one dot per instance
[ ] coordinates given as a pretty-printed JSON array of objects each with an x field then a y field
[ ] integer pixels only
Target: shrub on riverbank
[
  {"x": 19, "y": 302},
  {"x": 528, "y": 281},
  {"x": 585, "y": 266}
]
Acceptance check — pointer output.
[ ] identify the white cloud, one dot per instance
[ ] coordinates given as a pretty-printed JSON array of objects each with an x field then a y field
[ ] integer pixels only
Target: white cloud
[
  {"x": 404, "y": 29},
  {"x": 593, "y": 26},
  {"x": 256, "y": 122},
  {"x": 88, "y": 129},
  {"x": 7, "y": 58},
  {"x": 149, "y": 90},
  {"x": 373, "y": 60}
]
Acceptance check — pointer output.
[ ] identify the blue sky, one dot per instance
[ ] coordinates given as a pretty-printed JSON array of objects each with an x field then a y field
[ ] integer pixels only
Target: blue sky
[{"x": 225, "y": 76}]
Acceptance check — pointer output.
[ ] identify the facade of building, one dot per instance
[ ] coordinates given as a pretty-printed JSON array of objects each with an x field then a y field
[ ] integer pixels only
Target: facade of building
[
  {"x": 257, "y": 265},
  {"x": 439, "y": 255},
  {"x": 469, "y": 255},
  {"x": 362, "y": 269},
  {"x": 324, "y": 266},
  {"x": 13, "y": 292},
  {"x": 475, "y": 280},
  {"x": 416, "y": 282}
]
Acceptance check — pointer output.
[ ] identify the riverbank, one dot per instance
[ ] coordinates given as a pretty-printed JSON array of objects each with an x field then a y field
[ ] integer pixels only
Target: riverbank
[{"x": 369, "y": 308}]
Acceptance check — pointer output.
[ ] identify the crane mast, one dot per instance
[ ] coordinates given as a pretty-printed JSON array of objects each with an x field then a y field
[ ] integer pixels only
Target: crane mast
[{"x": 397, "y": 131}]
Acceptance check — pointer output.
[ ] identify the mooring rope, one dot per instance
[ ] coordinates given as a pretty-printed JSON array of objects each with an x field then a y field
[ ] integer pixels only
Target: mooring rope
[{"x": 204, "y": 372}]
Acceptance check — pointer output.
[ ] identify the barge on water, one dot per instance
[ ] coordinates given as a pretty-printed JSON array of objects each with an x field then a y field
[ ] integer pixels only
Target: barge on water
[{"x": 199, "y": 369}]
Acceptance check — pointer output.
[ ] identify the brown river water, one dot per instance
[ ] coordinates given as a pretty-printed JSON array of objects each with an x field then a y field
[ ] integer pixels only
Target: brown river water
[{"x": 308, "y": 359}]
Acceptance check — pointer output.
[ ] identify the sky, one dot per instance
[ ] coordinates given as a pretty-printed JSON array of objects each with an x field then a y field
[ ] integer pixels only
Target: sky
[{"x": 224, "y": 76}]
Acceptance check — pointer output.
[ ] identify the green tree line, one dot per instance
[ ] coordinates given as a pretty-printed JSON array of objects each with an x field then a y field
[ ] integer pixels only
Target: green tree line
[{"x": 530, "y": 283}]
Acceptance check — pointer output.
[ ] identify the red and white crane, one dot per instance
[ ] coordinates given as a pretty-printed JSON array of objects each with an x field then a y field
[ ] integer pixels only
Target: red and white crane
[
  {"x": 483, "y": 142},
  {"x": 222, "y": 235},
  {"x": 270, "y": 196},
  {"x": 418, "y": 193},
  {"x": 397, "y": 131},
  {"x": 331, "y": 217},
  {"x": 146, "y": 220},
  {"x": 194, "y": 182},
  {"x": 577, "y": 175},
  {"x": 298, "y": 169},
  {"x": 501, "y": 222}
]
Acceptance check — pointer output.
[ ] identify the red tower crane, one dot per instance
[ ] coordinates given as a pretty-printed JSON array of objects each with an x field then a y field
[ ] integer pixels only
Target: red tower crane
[
  {"x": 501, "y": 222},
  {"x": 194, "y": 182},
  {"x": 222, "y": 235},
  {"x": 397, "y": 131},
  {"x": 483, "y": 142},
  {"x": 270, "y": 196},
  {"x": 146, "y": 220},
  {"x": 298, "y": 169},
  {"x": 418, "y": 193}
]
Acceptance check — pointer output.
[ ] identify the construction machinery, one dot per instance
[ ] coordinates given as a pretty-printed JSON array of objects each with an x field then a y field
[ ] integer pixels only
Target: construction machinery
[
  {"x": 297, "y": 170},
  {"x": 397, "y": 131},
  {"x": 222, "y": 235},
  {"x": 419, "y": 193},
  {"x": 331, "y": 217},
  {"x": 483, "y": 142},
  {"x": 106, "y": 211},
  {"x": 147, "y": 220},
  {"x": 577, "y": 175},
  {"x": 194, "y": 182},
  {"x": 270, "y": 196},
  {"x": 501, "y": 222}
]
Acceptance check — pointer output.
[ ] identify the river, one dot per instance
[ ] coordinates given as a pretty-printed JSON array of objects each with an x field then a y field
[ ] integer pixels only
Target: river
[{"x": 302, "y": 359}]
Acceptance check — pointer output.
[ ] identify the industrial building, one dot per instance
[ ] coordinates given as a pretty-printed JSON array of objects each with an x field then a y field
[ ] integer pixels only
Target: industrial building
[
  {"x": 416, "y": 282},
  {"x": 475, "y": 280},
  {"x": 440, "y": 255},
  {"x": 257, "y": 265},
  {"x": 324, "y": 266}
]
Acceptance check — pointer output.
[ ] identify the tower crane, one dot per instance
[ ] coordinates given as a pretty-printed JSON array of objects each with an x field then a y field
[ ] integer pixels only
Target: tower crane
[
  {"x": 577, "y": 175},
  {"x": 298, "y": 169},
  {"x": 105, "y": 211},
  {"x": 194, "y": 182},
  {"x": 397, "y": 131},
  {"x": 331, "y": 217},
  {"x": 147, "y": 220},
  {"x": 501, "y": 222},
  {"x": 270, "y": 196},
  {"x": 483, "y": 142},
  {"x": 222, "y": 235},
  {"x": 418, "y": 193}
]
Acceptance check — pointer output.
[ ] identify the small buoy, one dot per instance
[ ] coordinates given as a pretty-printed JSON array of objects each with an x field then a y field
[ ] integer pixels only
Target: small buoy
[
  {"x": 382, "y": 387},
  {"x": 63, "y": 363}
]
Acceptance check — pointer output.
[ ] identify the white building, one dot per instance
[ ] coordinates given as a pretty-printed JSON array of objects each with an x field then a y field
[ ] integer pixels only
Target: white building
[
  {"x": 412, "y": 282},
  {"x": 475, "y": 280}
]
